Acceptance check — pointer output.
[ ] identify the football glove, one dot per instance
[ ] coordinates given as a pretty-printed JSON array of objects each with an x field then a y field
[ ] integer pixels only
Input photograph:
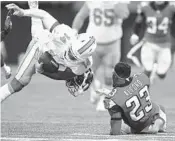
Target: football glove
[
  {"x": 80, "y": 83},
  {"x": 48, "y": 63}
]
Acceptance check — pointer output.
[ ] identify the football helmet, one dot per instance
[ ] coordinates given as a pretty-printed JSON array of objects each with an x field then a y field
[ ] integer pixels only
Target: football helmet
[
  {"x": 82, "y": 48},
  {"x": 80, "y": 83}
]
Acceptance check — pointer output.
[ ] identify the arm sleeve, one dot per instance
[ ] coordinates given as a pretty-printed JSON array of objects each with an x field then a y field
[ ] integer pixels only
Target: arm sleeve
[
  {"x": 116, "y": 120},
  {"x": 80, "y": 17},
  {"x": 60, "y": 75}
]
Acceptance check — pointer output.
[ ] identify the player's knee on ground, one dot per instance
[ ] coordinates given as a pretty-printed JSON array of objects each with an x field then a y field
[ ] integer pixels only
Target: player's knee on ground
[{"x": 148, "y": 73}]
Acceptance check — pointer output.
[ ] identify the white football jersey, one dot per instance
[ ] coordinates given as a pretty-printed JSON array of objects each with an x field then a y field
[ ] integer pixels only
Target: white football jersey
[
  {"x": 103, "y": 23},
  {"x": 57, "y": 43}
]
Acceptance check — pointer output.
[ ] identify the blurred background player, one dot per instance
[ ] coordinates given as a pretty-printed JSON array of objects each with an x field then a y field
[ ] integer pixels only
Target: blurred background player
[
  {"x": 7, "y": 27},
  {"x": 129, "y": 104},
  {"x": 156, "y": 50},
  {"x": 105, "y": 21}
]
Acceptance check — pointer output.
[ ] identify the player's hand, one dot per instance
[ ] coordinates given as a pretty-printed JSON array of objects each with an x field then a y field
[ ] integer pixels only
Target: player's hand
[
  {"x": 39, "y": 67},
  {"x": 103, "y": 91},
  {"x": 17, "y": 10},
  {"x": 134, "y": 39}
]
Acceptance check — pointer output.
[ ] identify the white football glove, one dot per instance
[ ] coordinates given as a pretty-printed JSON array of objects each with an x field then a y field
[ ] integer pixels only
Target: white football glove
[{"x": 134, "y": 39}]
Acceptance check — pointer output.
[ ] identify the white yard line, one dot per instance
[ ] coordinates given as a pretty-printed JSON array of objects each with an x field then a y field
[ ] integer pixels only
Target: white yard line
[{"x": 60, "y": 138}]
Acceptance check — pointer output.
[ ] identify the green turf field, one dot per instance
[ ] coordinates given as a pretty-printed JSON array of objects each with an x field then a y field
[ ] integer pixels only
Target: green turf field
[{"x": 45, "y": 111}]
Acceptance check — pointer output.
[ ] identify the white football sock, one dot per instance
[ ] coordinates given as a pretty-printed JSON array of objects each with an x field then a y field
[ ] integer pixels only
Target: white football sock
[{"x": 4, "y": 92}]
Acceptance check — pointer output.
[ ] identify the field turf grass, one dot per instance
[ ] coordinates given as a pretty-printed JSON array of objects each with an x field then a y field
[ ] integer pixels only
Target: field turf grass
[{"x": 45, "y": 111}]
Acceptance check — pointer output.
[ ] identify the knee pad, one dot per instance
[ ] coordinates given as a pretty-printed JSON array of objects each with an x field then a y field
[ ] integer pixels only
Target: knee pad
[
  {"x": 161, "y": 76},
  {"x": 15, "y": 85},
  {"x": 148, "y": 73}
]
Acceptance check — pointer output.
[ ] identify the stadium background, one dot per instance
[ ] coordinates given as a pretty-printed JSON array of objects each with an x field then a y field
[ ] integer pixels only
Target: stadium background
[
  {"x": 65, "y": 12},
  {"x": 44, "y": 110}
]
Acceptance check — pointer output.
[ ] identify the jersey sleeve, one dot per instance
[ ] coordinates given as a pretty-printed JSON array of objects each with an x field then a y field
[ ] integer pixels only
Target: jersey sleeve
[{"x": 54, "y": 26}]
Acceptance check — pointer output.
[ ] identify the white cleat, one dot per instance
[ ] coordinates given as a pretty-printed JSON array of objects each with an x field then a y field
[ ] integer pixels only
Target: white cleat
[{"x": 33, "y": 4}]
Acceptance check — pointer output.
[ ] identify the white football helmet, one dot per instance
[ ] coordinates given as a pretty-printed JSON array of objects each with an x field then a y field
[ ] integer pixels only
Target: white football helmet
[{"x": 82, "y": 48}]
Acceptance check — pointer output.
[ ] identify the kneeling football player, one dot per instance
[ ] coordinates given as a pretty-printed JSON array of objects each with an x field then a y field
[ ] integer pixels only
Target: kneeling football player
[{"x": 129, "y": 104}]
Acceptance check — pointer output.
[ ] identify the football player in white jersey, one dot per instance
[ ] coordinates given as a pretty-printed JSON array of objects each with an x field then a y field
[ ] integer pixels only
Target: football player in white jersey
[
  {"x": 105, "y": 24},
  {"x": 68, "y": 53}
]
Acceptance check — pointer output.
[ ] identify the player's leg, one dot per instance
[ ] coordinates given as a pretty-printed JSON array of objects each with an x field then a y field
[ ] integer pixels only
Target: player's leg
[
  {"x": 4, "y": 68},
  {"x": 133, "y": 50},
  {"x": 112, "y": 56},
  {"x": 164, "y": 60},
  {"x": 148, "y": 55},
  {"x": 97, "y": 61},
  {"x": 159, "y": 122},
  {"x": 24, "y": 73}
]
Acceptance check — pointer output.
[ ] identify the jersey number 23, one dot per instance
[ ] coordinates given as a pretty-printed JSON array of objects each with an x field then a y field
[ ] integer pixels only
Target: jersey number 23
[{"x": 137, "y": 113}]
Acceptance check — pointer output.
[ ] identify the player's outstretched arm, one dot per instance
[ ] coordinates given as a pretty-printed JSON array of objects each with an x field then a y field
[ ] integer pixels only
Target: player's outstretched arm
[
  {"x": 80, "y": 17},
  {"x": 46, "y": 18}
]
